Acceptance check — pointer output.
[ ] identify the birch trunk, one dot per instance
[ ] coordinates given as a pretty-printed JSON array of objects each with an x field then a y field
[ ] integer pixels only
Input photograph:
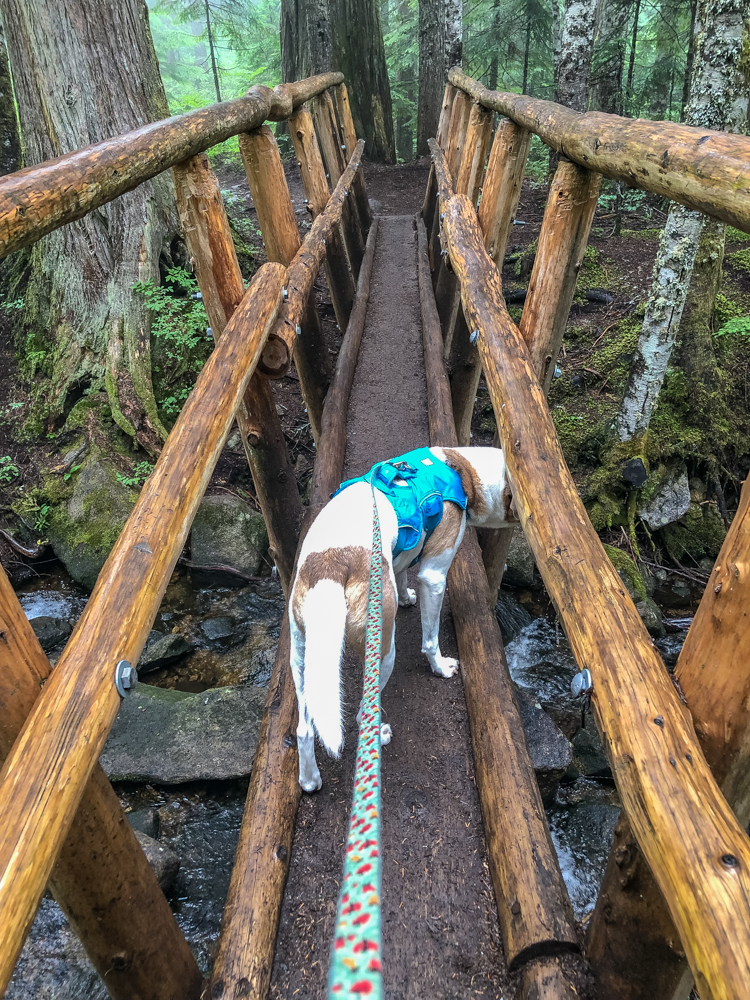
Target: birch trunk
[
  {"x": 576, "y": 46},
  {"x": 718, "y": 100},
  {"x": 431, "y": 71},
  {"x": 454, "y": 19},
  {"x": 83, "y": 71}
]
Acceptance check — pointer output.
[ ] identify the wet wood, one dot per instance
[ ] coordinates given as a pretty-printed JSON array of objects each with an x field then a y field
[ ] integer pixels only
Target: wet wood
[
  {"x": 344, "y": 110},
  {"x": 634, "y": 947},
  {"x": 702, "y": 169},
  {"x": 692, "y": 841},
  {"x": 217, "y": 270},
  {"x": 502, "y": 187},
  {"x": 278, "y": 224},
  {"x": 101, "y": 880},
  {"x": 251, "y": 915},
  {"x": 563, "y": 238},
  {"x": 533, "y": 905},
  {"x": 338, "y": 272},
  {"x": 39, "y": 199},
  {"x": 44, "y": 776}
]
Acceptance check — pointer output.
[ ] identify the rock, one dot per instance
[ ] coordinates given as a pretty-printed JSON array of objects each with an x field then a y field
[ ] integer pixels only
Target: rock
[
  {"x": 520, "y": 564},
  {"x": 228, "y": 532},
  {"x": 550, "y": 750},
  {"x": 670, "y": 647},
  {"x": 700, "y": 532},
  {"x": 588, "y": 753},
  {"x": 164, "y": 862},
  {"x": 666, "y": 497},
  {"x": 218, "y": 628},
  {"x": 50, "y": 631},
  {"x": 145, "y": 821},
  {"x": 540, "y": 662},
  {"x": 511, "y": 616},
  {"x": 163, "y": 651},
  {"x": 651, "y": 616},
  {"x": 171, "y": 737},
  {"x": 83, "y": 532},
  {"x": 634, "y": 472},
  {"x": 628, "y": 572}
]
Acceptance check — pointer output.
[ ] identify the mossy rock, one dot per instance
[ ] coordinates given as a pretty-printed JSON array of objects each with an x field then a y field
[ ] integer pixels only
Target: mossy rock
[
  {"x": 228, "y": 532},
  {"x": 628, "y": 572},
  {"x": 701, "y": 532},
  {"x": 83, "y": 531}
]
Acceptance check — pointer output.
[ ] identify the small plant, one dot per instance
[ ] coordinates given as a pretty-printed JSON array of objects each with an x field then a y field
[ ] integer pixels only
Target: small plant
[
  {"x": 177, "y": 319},
  {"x": 42, "y": 518},
  {"x": 10, "y": 307},
  {"x": 173, "y": 404},
  {"x": 139, "y": 475},
  {"x": 71, "y": 472},
  {"x": 739, "y": 326},
  {"x": 8, "y": 469}
]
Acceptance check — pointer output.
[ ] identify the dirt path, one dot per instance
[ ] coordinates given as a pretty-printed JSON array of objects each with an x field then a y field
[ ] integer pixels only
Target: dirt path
[{"x": 439, "y": 920}]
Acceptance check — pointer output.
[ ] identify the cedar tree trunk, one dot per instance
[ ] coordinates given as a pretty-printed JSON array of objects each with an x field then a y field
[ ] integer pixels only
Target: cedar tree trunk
[
  {"x": 608, "y": 61},
  {"x": 84, "y": 71},
  {"x": 10, "y": 142},
  {"x": 431, "y": 71}
]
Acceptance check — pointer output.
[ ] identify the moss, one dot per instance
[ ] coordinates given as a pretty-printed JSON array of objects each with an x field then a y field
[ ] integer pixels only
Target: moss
[
  {"x": 628, "y": 572},
  {"x": 595, "y": 272},
  {"x": 740, "y": 259},
  {"x": 641, "y": 234},
  {"x": 700, "y": 532}
]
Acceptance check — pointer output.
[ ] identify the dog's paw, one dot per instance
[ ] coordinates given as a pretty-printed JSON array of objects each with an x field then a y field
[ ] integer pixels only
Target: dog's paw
[
  {"x": 446, "y": 666},
  {"x": 313, "y": 785},
  {"x": 385, "y": 734},
  {"x": 409, "y": 600}
]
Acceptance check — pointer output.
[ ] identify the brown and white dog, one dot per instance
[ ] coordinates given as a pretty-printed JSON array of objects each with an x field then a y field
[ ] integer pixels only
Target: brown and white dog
[{"x": 329, "y": 595}]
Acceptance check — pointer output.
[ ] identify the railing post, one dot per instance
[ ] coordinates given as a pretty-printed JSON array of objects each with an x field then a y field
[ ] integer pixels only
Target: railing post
[
  {"x": 430, "y": 196},
  {"x": 102, "y": 881},
  {"x": 340, "y": 278},
  {"x": 216, "y": 267},
  {"x": 268, "y": 186},
  {"x": 502, "y": 187},
  {"x": 634, "y": 948},
  {"x": 445, "y": 281},
  {"x": 350, "y": 141}
]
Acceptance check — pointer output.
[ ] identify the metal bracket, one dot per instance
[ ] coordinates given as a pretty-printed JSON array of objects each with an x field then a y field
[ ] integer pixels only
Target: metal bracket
[
  {"x": 126, "y": 677},
  {"x": 582, "y": 684}
]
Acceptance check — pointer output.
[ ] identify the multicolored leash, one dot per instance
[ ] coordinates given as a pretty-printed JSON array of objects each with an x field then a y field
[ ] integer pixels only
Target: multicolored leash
[{"x": 356, "y": 968}]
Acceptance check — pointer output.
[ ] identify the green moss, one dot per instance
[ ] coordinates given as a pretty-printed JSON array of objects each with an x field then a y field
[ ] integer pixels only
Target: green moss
[
  {"x": 642, "y": 234},
  {"x": 700, "y": 532},
  {"x": 628, "y": 572},
  {"x": 740, "y": 259},
  {"x": 595, "y": 272}
]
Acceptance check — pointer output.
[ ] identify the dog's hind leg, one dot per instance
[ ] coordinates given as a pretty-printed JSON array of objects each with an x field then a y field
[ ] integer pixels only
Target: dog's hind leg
[
  {"x": 309, "y": 775},
  {"x": 406, "y": 596}
]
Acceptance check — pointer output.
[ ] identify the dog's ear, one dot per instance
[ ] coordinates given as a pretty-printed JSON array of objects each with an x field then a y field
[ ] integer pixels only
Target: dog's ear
[{"x": 470, "y": 481}]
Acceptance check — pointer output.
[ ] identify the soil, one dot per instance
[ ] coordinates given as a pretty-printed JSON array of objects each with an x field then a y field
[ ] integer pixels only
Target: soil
[{"x": 440, "y": 927}]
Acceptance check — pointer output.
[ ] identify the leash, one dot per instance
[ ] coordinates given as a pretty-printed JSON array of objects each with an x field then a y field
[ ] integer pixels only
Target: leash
[{"x": 356, "y": 968}]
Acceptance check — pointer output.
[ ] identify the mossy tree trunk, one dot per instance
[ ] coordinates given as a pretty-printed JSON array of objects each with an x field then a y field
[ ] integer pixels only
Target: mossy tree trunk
[
  {"x": 10, "y": 141},
  {"x": 608, "y": 61},
  {"x": 84, "y": 71},
  {"x": 576, "y": 46},
  {"x": 718, "y": 100},
  {"x": 431, "y": 71}
]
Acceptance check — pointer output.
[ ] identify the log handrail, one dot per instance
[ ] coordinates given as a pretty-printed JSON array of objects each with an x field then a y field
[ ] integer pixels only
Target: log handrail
[
  {"x": 699, "y": 853},
  {"x": 45, "y": 774},
  {"x": 37, "y": 200},
  {"x": 705, "y": 170}
]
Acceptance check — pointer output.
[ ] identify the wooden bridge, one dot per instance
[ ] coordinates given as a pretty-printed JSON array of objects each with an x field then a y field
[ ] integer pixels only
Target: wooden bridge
[{"x": 677, "y": 890}]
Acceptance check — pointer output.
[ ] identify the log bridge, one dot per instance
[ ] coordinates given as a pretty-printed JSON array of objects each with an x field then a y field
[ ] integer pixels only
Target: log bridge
[{"x": 675, "y": 905}]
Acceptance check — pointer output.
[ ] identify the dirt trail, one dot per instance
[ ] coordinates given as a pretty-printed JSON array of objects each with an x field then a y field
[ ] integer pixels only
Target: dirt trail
[{"x": 440, "y": 928}]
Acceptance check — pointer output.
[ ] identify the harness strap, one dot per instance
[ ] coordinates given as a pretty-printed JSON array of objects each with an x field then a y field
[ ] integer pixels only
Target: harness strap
[{"x": 356, "y": 968}]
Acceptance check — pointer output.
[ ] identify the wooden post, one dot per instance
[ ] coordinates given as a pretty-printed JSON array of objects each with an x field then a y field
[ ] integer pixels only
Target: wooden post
[
  {"x": 101, "y": 880},
  {"x": 268, "y": 186},
  {"x": 350, "y": 141},
  {"x": 699, "y": 853},
  {"x": 428, "y": 206},
  {"x": 340, "y": 279},
  {"x": 209, "y": 239},
  {"x": 533, "y": 906},
  {"x": 635, "y": 951},
  {"x": 502, "y": 187},
  {"x": 251, "y": 915},
  {"x": 45, "y": 774}
]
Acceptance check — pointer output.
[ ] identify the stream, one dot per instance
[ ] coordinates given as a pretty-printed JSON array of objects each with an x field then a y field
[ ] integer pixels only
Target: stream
[{"x": 189, "y": 797}]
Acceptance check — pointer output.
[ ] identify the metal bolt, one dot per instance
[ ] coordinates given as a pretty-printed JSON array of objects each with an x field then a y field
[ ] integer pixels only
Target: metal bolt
[
  {"x": 285, "y": 294},
  {"x": 298, "y": 330},
  {"x": 473, "y": 337},
  {"x": 581, "y": 683},
  {"x": 197, "y": 295},
  {"x": 209, "y": 333},
  {"x": 126, "y": 677},
  {"x": 442, "y": 216},
  {"x": 557, "y": 372}
]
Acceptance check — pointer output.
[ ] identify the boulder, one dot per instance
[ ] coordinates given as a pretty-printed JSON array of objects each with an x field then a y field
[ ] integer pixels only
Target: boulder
[
  {"x": 50, "y": 631},
  {"x": 651, "y": 617},
  {"x": 163, "y": 650},
  {"x": 163, "y": 861},
  {"x": 550, "y": 750},
  {"x": 520, "y": 564},
  {"x": 228, "y": 532},
  {"x": 666, "y": 497},
  {"x": 588, "y": 753},
  {"x": 628, "y": 572},
  {"x": 172, "y": 737}
]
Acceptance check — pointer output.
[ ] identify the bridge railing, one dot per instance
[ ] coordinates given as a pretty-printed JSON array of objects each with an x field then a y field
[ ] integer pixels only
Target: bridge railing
[
  {"x": 692, "y": 842},
  {"x": 53, "y": 795}
]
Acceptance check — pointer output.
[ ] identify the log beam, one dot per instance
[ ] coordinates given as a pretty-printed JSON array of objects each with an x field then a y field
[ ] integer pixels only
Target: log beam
[
  {"x": 692, "y": 841},
  {"x": 251, "y": 915},
  {"x": 217, "y": 270}
]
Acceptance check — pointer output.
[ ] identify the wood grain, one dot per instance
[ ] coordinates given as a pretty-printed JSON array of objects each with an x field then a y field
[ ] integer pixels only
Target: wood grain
[
  {"x": 329, "y": 141},
  {"x": 699, "y": 168},
  {"x": 44, "y": 776},
  {"x": 502, "y": 187},
  {"x": 251, "y": 915},
  {"x": 343, "y": 107},
  {"x": 693, "y": 843}
]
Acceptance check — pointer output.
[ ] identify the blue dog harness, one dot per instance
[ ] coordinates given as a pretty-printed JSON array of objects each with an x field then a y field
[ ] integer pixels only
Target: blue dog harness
[{"x": 416, "y": 484}]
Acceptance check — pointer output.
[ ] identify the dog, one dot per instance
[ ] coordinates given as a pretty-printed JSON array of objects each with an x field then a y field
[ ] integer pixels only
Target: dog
[{"x": 424, "y": 501}]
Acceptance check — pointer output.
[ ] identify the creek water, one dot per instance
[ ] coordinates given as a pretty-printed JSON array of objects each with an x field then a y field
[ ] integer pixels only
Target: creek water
[{"x": 231, "y": 636}]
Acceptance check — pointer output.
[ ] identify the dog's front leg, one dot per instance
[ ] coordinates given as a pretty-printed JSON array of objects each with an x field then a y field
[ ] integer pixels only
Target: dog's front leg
[
  {"x": 406, "y": 596},
  {"x": 431, "y": 592},
  {"x": 309, "y": 775}
]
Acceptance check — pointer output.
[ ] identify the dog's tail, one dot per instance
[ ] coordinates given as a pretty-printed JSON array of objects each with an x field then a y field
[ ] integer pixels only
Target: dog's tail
[{"x": 324, "y": 616}]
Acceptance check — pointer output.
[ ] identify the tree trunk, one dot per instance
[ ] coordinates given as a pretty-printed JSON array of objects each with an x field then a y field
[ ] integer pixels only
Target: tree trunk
[
  {"x": 689, "y": 60},
  {"x": 608, "y": 60},
  {"x": 557, "y": 21},
  {"x": 404, "y": 137},
  {"x": 305, "y": 39},
  {"x": 527, "y": 46},
  {"x": 210, "y": 37},
  {"x": 663, "y": 68},
  {"x": 83, "y": 71},
  {"x": 575, "y": 54},
  {"x": 431, "y": 71},
  {"x": 10, "y": 141},
  {"x": 718, "y": 100},
  {"x": 633, "y": 44},
  {"x": 454, "y": 16},
  {"x": 492, "y": 72}
]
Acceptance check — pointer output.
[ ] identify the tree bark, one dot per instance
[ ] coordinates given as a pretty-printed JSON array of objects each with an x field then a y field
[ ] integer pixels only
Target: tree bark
[
  {"x": 10, "y": 140},
  {"x": 662, "y": 72},
  {"x": 83, "y": 71},
  {"x": 454, "y": 15},
  {"x": 431, "y": 71},
  {"x": 210, "y": 37},
  {"x": 633, "y": 43},
  {"x": 305, "y": 39},
  {"x": 608, "y": 60},
  {"x": 575, "y": 54},
  {"x": 718, "y": 100}
]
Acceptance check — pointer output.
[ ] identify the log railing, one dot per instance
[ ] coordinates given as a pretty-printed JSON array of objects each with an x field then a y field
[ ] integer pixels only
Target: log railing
[
  {"x": 51, "y": 737},
  {"x": 688, "y": 834}
]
